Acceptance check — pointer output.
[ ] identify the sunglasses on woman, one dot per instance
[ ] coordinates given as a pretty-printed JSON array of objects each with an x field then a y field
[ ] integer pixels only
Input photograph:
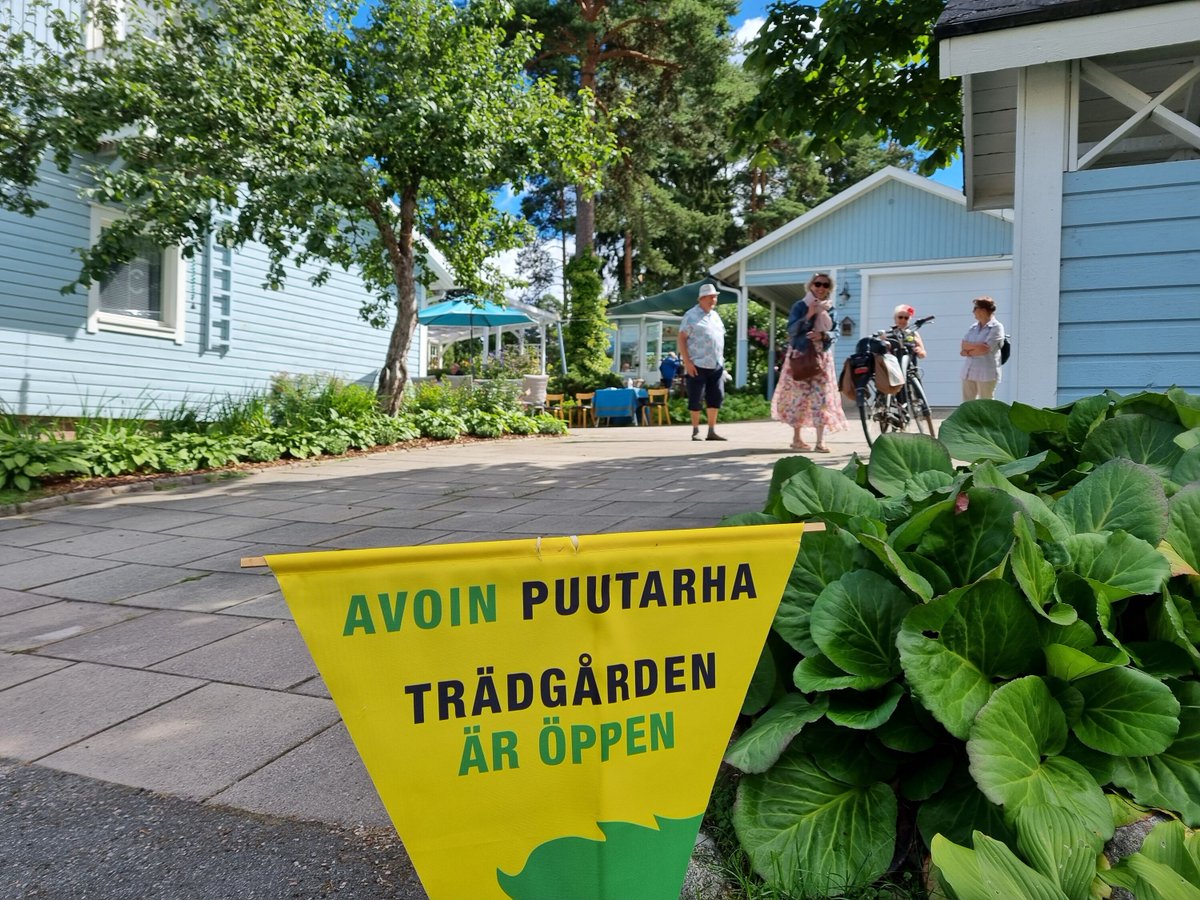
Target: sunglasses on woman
[{"x": 822, "y": 284}]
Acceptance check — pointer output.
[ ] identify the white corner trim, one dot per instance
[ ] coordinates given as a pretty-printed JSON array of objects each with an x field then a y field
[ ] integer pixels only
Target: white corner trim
[{"x": 1142, "y": 28}]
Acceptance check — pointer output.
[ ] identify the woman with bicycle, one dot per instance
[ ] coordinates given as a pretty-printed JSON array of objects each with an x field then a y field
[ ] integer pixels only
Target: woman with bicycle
[
  {"x": 813, "y": 402},
  {"x": 901, "y": 316}
]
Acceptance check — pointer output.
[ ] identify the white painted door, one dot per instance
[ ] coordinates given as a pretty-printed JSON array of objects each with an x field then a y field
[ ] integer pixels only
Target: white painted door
[{"x": 945, "y": 292}]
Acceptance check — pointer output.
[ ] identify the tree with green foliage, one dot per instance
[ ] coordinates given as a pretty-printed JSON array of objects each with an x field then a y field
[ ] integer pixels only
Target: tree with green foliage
[
  {"x": 850, "y": 68},
  {"x": 587, "y": 332},
  {"x": 632, "y": 55},
  {"x": 292, "y": 124}
]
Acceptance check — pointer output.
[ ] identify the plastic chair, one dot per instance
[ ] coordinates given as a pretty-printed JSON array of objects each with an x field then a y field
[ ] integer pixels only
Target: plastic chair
[
  {"x": 658, "y": 406},
  {"x": 582, "y": 411},
  {"x": 554, "y": 405}
]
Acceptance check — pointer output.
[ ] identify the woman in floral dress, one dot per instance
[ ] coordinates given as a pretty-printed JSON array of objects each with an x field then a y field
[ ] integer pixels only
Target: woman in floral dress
[{"x": 815, "y": 403}]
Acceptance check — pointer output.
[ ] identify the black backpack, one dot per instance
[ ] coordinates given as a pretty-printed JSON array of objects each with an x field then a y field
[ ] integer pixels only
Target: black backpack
[{"x": 1005, "y": 350}]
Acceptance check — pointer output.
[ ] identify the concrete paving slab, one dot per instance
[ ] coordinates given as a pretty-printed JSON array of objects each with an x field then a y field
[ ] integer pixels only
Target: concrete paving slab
[
  {"x": 42, "y": 625},
  {"x": 34, "y": 532},
  {"x": 548, "y": 507},
  {"x": 118, "y": 583},
  {"x": 231, "y": 560},
  {"x": 337, "y": 788},
  {"x": 328, "y": 511},
  {"x": 149, "y": 639},
  {"x": 200, "y": 744},
  {"x": 261, "y": 509},
  {"x": 207, "y": 592},
  {"x": 15, "y": 601},
  {"x": 47, "y": 568},
  {"x": 175, "y": 551},
  {"x": 165, "y": 519},
  {"x": 476, "y": 504},
  {"x": 226, "y": 527},
  {"x": 14, "y": 554},
  {"x": 490, "y": 523},
  {"x": 407, "y": 517},
  {"x": 314, "y": 687},
  {"x": 17, "y": 668},
  {"x": 379, "y": 537},
  {"x": 79, "y": 515},
  {"x": 551, "y": 526},
  {"x": 304, "y": 533},
  {"x": 272, "y": 655},
  {"x": 101, "y": 543},
  {"x": 74, "y": 703},
  {"x": 272, "y": 606}
]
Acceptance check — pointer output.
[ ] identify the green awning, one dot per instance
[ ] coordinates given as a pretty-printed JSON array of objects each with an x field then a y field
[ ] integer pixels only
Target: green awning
[{"x": 676, "y": 300}]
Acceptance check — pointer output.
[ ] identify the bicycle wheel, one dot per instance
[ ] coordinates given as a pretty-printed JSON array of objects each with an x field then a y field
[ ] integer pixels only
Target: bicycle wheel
[
  {"x": 874, "y": 413},
  {"x": 918, "y": 407}
]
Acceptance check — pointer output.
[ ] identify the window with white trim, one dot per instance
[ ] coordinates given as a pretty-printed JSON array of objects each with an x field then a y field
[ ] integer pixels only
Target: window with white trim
[{"x": 143, "y": 296}]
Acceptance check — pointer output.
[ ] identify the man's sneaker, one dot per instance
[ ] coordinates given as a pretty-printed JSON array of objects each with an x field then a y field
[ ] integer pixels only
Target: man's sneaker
[{"x": 713, "y": 436}]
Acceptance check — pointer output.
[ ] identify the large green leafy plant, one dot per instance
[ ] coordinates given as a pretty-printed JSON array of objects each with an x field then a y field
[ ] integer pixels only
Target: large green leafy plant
[{"x": 1000, "y": 653}]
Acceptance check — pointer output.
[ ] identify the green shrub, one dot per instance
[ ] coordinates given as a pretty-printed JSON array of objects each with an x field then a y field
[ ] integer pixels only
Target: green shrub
[
  {"x": 30, "y": 452},
  {"x": 119, "y": 450},
  {"x": 441, "y": 425},
  {"x": 306, "y": 400},
  {"x": 548, "y": 424},
  {"x": 483, "y": 423},
  {"x": 183, "y": 452},
  {"x": 1001, "y": 654}
]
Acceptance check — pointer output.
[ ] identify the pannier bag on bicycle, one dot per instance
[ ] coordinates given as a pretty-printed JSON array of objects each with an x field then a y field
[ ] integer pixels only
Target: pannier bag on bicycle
[{"x": 857, "y": 371}]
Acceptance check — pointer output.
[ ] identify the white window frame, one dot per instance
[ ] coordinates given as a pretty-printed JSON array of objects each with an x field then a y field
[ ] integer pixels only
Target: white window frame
[{"x": 173, "y": 293}]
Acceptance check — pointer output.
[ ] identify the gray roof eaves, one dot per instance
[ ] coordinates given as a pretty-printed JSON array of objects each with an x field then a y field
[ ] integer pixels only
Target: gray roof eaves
[{"x": 963, "y": 17}]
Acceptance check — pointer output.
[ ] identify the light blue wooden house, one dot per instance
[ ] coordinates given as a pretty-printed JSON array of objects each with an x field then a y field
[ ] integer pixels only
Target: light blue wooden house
[
  {"x": 1085, "y": 118},
  {"x": 893, "y": 238},
  {"x": 164, "y": 330}
]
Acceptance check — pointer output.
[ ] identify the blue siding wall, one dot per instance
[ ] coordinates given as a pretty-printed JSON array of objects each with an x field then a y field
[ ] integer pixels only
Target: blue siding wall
[
  {"x": 895, "y": 222},
  {"x": 50, "y": 365},
  {"x": 1129, "y": 314}
]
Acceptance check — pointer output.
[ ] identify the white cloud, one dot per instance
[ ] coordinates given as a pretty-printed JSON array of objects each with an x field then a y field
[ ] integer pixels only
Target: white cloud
[{"x": 748, "y": 30}]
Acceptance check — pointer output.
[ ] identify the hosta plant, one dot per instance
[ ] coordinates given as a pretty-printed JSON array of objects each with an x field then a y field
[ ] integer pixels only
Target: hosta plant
[{"x": 990, "y": 652}]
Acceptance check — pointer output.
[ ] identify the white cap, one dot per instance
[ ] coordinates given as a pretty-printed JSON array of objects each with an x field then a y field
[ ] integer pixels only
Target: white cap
[{"x": 708, "y": 290}]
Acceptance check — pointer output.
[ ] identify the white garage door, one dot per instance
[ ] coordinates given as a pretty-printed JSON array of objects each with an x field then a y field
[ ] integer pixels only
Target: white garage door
[{"x": 946, "y": 293}]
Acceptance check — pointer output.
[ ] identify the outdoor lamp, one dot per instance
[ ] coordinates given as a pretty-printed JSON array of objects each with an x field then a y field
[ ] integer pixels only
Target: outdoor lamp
[
  {"x": 847, "y": 324},
  {"x": 844, "y": 294}
]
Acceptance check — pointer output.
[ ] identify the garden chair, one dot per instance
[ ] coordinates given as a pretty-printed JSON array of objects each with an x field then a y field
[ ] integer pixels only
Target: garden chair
[
  {"x": 658, "y": 406},
  {"x": 582, "y": 410},
  {"x": 554, "y": 405}
]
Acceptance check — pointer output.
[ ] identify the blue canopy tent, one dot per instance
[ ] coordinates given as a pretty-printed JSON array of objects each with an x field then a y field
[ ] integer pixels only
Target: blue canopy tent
[{"x": 464, "y": 311}]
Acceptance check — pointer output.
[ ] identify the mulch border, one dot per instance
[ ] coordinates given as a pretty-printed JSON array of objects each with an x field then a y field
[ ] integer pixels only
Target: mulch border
[{"x": 82, "y": 490}]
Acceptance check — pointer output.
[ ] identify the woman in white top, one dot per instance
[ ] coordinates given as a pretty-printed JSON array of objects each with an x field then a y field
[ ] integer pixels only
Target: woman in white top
[{"x": 981, "y": 347}]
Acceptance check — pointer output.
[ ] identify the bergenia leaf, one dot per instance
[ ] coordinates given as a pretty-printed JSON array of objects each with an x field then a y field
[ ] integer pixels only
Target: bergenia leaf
[
  {"x": 981, "y": 429},
  {"x": 1117, "y": 496}
]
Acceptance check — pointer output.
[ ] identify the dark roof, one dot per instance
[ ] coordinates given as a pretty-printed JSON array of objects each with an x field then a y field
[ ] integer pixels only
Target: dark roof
[{"x": 962, "y": 17}]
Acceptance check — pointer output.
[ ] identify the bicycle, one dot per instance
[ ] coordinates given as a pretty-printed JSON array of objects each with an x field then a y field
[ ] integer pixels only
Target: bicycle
[{"x": 880, "y": 411}]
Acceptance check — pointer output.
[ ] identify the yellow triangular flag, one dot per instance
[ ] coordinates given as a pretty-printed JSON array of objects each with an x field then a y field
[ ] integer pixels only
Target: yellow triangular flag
[{"x": 544, "y": 718}]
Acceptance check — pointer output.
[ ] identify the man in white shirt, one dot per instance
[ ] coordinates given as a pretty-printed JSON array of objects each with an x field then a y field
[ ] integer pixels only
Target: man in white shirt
[{"x": 702, "y": 349}]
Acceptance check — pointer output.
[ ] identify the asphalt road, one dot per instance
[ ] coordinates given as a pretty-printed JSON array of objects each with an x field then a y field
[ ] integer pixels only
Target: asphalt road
[{"x": 64, "y": 837}]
